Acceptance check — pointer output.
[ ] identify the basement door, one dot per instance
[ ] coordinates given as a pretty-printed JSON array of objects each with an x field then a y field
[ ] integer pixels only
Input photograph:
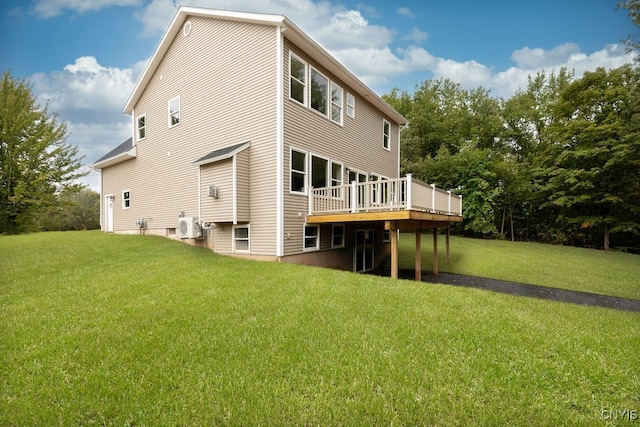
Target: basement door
[
  {"x": 109, "y": 213},
  {"x": 363, "y": 251}
]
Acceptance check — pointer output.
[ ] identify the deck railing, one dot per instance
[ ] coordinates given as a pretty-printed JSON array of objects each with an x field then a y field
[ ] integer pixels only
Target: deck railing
[{"x": 386, "y": 195}]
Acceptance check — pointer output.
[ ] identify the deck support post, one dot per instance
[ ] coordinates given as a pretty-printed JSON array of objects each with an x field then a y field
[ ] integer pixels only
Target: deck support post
[
  {"x": 418, "y": 254},
  {"x": 447, "y": 240},
  {"x": 393, "y": 235},
  {"x": 435, "y": 253}
]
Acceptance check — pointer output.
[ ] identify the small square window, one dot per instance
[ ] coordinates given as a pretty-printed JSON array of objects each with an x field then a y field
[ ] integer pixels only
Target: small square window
[
  {"x": 126, "y": 199},
  {"x": 311, "y": 237}
]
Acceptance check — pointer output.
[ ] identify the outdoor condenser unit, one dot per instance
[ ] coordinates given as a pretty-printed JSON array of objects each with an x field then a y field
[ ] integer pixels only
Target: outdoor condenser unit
[{"x": 188, "y": 228}]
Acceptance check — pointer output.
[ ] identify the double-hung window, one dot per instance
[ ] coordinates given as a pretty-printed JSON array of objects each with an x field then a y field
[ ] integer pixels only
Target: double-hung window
[
  {"x": 311, "y": 237},
  {"x": 336, "y": 103},
  {"x": 298, "y": 79},
  {"x": 319, "y": 91},
  {"x": 126, "y": 199},
  {"x": 337, "y": 236},
  {"x": 141, "y": 125},
  {"x": 298, "y": 176},
  {"x": 351, "y": 105},
  {"x": 336, "y": 179},
  {"x": 174, "y": 111},
  {"x": 386, "y": 131},
  {"x": 241, "y": 242}
]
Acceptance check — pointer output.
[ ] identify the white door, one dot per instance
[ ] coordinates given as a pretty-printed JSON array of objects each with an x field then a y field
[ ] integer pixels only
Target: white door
[{"x": 109, "y": 213}]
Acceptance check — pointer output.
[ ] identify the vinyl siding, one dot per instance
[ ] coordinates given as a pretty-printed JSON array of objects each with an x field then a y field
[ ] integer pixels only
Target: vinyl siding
[
  {"x": 243, "y": 182},
  {"x": 221, "y": 174},
  {"x": 225, "y": 75},
  {"x": 357, "y": 144}
]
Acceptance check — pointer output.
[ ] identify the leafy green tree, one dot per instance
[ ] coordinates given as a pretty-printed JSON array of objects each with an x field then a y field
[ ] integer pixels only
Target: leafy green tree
[
  {"x": 77, "y": 211},
  {"x": 593, "y": 168},
  {"x": 36, "y": 164},
  {"x": 633, "y": 9}
]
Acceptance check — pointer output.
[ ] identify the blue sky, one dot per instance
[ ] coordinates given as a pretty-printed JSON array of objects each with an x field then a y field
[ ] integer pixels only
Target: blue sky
[{"x": 83, "y": 57}]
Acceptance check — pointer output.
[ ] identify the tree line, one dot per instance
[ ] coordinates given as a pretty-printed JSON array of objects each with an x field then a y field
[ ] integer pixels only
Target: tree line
[{"x": 558, "y": 162}]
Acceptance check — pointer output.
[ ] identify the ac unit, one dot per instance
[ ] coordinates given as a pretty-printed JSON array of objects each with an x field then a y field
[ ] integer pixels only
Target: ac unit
[{"x": 188, "y": 228}]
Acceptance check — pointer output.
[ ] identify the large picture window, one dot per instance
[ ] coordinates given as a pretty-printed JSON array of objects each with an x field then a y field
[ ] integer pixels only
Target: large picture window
[
  {"x": 298, "y": 79},
  {"x": 319, "y": 92},
  {"x": 319, "y": 168},
  {"x": 298, "y": 176}
]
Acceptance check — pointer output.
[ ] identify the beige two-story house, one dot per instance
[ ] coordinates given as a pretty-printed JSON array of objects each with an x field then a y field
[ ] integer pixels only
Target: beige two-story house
[{"x": 250, "y": 139}]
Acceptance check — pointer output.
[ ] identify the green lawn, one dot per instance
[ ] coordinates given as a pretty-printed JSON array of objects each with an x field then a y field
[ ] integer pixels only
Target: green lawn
[
  {"x": 141, "y": 330},
  {"x": 588, "y": 270}
]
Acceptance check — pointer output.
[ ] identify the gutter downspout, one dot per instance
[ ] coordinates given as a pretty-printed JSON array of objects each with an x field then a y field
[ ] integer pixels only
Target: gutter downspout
[{"x": 279, "y": 142}]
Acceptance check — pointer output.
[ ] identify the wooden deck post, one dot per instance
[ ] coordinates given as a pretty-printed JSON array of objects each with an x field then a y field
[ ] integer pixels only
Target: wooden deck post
[
  {"x": 435, "y": 252},
  {"x": 447, "y": 240},
  {"x": 393, "y": 234},
  {"x": 418, "y": 254}
]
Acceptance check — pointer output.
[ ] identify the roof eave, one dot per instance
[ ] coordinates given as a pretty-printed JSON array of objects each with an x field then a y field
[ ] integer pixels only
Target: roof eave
[{"x": 119, "y": 158}]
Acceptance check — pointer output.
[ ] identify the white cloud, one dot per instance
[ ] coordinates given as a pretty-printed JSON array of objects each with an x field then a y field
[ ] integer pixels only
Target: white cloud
[
  {"x": 537, "y": 58},
  {"x": 416, "y": 35},
  {"x": 405, "y": 11},
  {"x": 89, "y": 98},
  {"x": 52, "y": 8}
]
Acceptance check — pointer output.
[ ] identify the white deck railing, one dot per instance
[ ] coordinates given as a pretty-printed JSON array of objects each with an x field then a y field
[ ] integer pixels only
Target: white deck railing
[{"x": 387, "y": 195}]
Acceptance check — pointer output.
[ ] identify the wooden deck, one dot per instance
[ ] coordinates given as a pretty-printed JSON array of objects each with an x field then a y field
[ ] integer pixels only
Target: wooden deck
[{"x": 404, "y": 204}]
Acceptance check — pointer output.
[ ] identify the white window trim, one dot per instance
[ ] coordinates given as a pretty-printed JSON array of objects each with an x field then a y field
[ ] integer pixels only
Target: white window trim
[
  {"x": 306, "y": 172},
  {"x": 129, "y": 199},
  {"x": 304, "y": 238},
  {"x": 351, "y": 106},
  {"x": 386, "y": 136},
  {"x": 169, "y": 112},
  {"x": 234, "y": 239},
  {"x": 327, "y": 171},
  {"x": 305, "y": 95},
  {"x": 333, "y": 235},
  {"x": 138, "y": 127},
  {"x": 333, "y": 84},
  {"x": 327, "y": 105}
]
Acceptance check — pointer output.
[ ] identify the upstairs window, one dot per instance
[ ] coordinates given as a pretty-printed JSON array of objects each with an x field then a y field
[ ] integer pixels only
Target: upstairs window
[
  {"x": 141, "y": 125},
  {"x": 319, "y": 92},
  {"x": 351, "y": 105},
  {"x": 298, "y": 79},
  {"x": 174, "y": 111},
  {"x": 336, "y": 103},
  {"x": 319, "y": 168},
  {"x": 386, "y": 138}
]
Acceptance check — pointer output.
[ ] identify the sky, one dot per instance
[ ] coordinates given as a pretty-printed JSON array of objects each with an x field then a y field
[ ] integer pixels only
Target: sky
[{"x": 83, "y": 57}]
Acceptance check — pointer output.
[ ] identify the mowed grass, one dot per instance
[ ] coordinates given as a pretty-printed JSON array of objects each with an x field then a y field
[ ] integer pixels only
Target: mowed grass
[
  {"x": 588, "y": 270},
  {"x": 141, "y": 330}
]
